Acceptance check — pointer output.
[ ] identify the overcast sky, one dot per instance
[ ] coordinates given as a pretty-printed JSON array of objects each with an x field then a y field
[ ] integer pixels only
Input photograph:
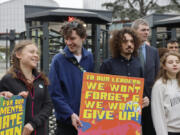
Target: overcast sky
[
  {"x": 79, "y": 3},
  {"x": 66, "y": 3},
  {"x": 70, "y": 3}
]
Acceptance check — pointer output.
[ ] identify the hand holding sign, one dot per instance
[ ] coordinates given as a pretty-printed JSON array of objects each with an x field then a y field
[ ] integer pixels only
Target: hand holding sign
[
  {"x": 28, "y": 129},
  {"x": 24, "y": 94},
  {"x": 76, "y": 121},
  {"x": 145, "y": 102},
  {"x": 6, "y": 94}
]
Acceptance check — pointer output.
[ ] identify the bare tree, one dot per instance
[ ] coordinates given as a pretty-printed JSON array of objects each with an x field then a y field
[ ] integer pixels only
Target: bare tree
[
  {"x": 176, "y": 3},
  {"x": 133, "y": 9}
]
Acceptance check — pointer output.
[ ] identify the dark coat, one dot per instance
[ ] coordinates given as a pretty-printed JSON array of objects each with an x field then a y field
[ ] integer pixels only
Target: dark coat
[
  {"x": 38, "y": 105},
  {"x": 122, "y": 66},
  {"x": 151, "y": 68}
]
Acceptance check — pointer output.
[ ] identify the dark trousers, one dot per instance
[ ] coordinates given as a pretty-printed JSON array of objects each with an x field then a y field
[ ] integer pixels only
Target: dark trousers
[
  {"x": 170, "y": 133},
  {"x": 65, "y": 129},
  {"x": 147, "y": 124}
]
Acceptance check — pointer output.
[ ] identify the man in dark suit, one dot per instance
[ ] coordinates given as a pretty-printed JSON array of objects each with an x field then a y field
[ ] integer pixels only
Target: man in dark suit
[{"x": 150, "y": 62}]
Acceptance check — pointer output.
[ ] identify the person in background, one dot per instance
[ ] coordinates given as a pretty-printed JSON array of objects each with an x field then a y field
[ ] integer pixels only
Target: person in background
[
  {"x": 173, "y": 45},
  {"x": 124, "y": 45},
  {"x": 149, "y": 58},
  {"x": 162, "y": 51},
  {"x": 66, "y": 74},
  {"x": 23, "y": 79},
  {"x": 165, "y": 103}
]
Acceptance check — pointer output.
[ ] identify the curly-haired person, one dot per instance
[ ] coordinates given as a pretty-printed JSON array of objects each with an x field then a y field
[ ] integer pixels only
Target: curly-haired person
[{"x": 66, "y": 75}]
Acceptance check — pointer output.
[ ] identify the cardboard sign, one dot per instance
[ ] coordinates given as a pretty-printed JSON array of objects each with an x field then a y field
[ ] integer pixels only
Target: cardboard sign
[
  {"x": 111, "y": 105},
  {"x": 12, "y": 112}
]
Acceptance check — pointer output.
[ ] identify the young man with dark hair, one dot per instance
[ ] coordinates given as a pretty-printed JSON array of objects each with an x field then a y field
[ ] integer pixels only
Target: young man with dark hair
[
  {"x": 173, "y": 45},
  {"x": 66, "y": 75},
  {"x": 124, "y": 46}
]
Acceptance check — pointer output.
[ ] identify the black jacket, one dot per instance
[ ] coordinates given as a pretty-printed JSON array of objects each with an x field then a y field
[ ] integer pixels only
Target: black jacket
[
  {"x": 151, "y": 68},
  {"x": 122, "y": 66},
  {"x": 38, "y": 105}
]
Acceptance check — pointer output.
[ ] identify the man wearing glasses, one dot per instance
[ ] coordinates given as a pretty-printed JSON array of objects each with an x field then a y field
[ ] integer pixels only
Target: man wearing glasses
[{"x": 66, "y": 75}]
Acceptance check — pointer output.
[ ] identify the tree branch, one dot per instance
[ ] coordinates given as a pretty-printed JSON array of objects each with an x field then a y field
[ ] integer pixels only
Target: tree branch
[{"x": 130, "y": 4}]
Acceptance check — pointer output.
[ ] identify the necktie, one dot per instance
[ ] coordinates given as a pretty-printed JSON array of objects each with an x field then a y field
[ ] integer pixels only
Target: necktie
[{"x": 141, "y": 56}]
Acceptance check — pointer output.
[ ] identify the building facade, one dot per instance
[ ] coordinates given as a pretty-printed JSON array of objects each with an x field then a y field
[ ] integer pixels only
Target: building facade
[{"x": 12, "y": 13}]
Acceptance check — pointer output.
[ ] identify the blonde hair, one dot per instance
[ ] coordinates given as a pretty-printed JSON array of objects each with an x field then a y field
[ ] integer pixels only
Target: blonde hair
[{"x": 136, "y": 23}]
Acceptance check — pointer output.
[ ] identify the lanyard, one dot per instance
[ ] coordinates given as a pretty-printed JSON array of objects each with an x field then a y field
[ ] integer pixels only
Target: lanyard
[{"x": 74, "y": 61}]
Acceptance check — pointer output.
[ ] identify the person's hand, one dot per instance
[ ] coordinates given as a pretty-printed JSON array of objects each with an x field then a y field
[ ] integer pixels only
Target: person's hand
[
  {"x": 6, "y": 94},
  {"x": 145, "y": 102},
  {"x": 76, "y": 121},
  {"x": 24, "y": 94},
  {"x": 28, "y": 129}
]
